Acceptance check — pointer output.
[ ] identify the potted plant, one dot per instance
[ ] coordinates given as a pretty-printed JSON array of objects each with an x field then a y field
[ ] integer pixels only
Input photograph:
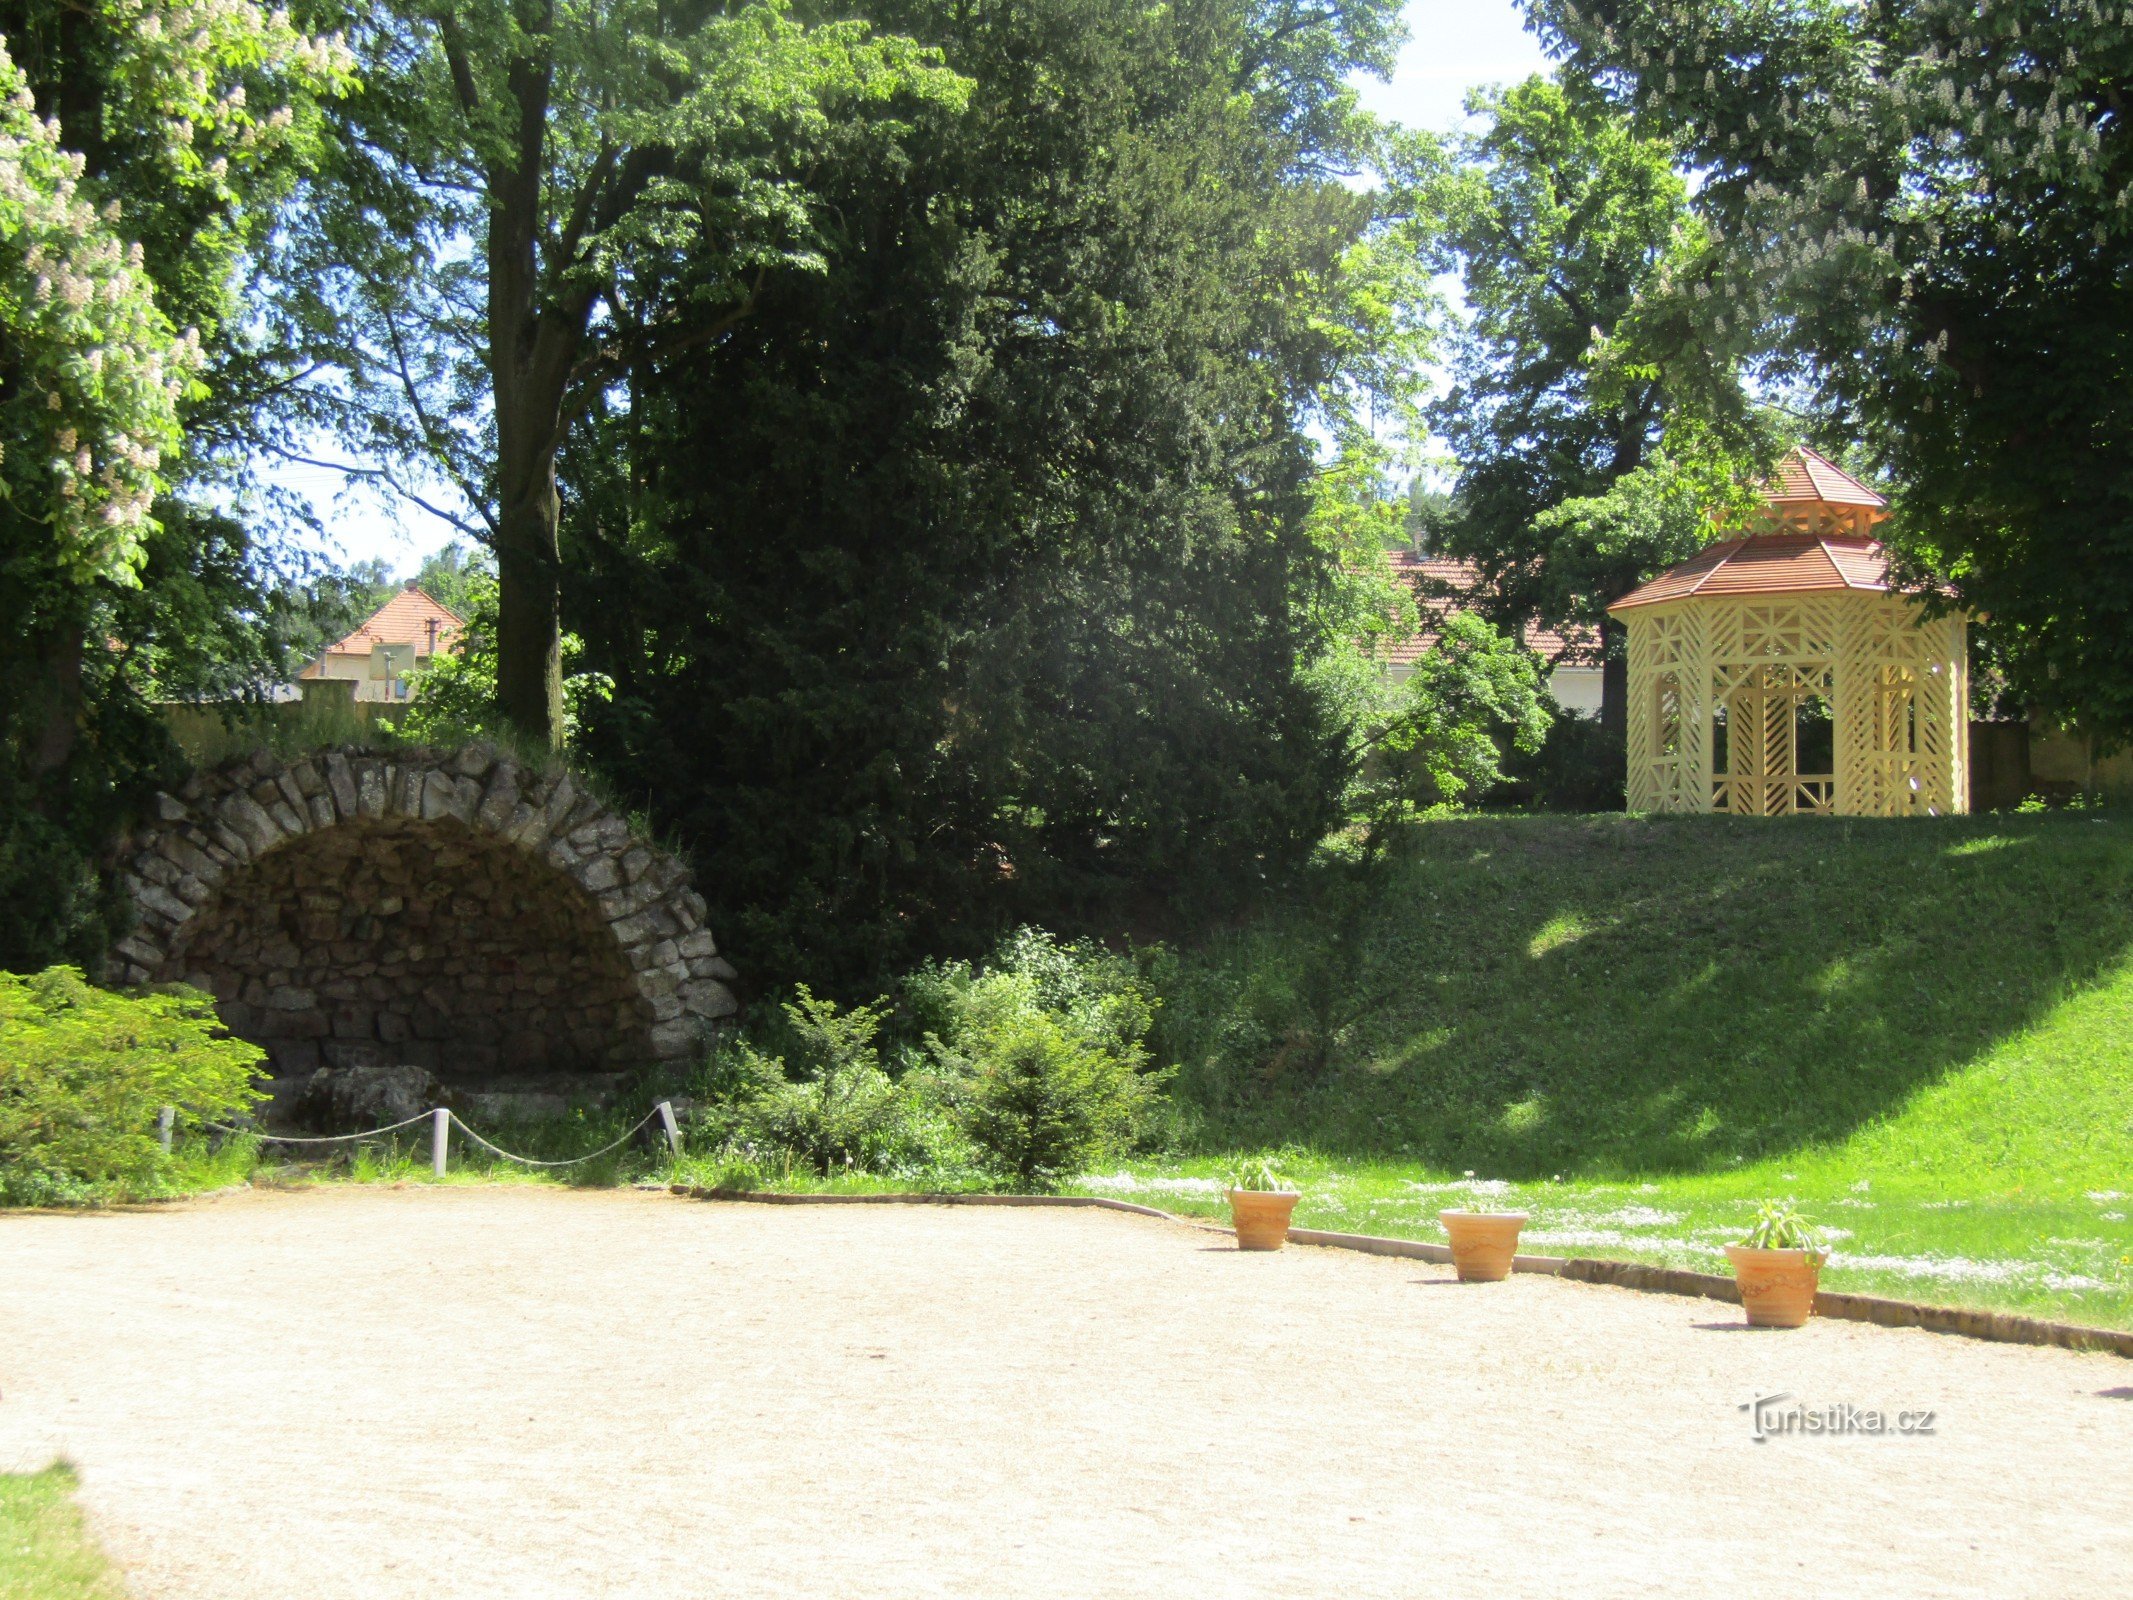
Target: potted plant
[
  {"x": 1483, "y": 1240},
  {"x": 1778, "y": 1267},
  {"x": 1260, "y": 1201}
]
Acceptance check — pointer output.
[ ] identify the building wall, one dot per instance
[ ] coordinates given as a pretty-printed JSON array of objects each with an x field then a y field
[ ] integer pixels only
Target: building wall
[{"x": 1576, "y": 689}]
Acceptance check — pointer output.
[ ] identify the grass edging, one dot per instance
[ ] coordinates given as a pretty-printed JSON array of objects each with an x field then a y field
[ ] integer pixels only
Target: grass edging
[
  {"x": 1999, "y": 1327},
  {"x": 779, "y": 1197}
]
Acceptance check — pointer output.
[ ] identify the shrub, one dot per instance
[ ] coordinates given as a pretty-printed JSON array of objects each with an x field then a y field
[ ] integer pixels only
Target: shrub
[
  {"x": 54, "y": 909},
  {"x": 842, "y": 1111},
  {"x": 84, "y": 1072},
  {"x": 1263, "y": 1174},
  {"x": 1045, "y": 1103},
  {"x": 1041, "y": 1054}
]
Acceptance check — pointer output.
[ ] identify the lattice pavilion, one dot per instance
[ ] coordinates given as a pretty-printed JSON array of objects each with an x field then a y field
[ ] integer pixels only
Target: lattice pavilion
[{"x": 1779, "y": 671}]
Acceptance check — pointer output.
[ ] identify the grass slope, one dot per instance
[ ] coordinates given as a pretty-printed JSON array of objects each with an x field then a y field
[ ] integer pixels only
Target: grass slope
[
  {"x": 1922, "y": 1029},
  {"x": 1617, "y": 996}
]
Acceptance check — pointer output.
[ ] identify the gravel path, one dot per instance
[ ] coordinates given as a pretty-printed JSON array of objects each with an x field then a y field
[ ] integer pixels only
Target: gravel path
[{"x": 369, "y": 1393}]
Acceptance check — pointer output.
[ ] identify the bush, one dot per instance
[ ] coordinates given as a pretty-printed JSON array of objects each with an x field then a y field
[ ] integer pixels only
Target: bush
[
  {"x": 84, "y": 1072},
  {"x": 1041, "y": 1053},
  {"x": 1046, "y": 1103},
  {"x": 841, "y": 1112}
]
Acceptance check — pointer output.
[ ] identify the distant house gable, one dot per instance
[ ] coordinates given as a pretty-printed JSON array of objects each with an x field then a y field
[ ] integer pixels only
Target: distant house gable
[
  {"x": 389, "y": 644},
  {"x": 1441, "y": 585}
]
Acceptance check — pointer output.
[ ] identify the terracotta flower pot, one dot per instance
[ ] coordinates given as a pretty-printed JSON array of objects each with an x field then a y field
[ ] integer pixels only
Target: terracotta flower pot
[
  {"x": 1261, "y": 1217},
  {"x": 1483, "y": 1242},
  {"x": 1777, "y": 1287}
]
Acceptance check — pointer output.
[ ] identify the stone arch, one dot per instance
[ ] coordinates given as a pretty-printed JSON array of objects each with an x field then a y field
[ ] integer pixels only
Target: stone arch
[{"x": 453, "y": 909}]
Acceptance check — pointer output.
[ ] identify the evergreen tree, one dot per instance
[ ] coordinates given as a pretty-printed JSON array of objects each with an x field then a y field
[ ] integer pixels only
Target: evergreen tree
[{"x": 971, "y": 578}]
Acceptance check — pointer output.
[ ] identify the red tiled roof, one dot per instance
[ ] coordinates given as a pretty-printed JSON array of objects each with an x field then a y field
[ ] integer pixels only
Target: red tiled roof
[
  {"x": 1820, "y": 514},
  {"x": 1431, "y": 576},
  {"x": 1769, "y": 563},
  {"x": 1805, "y": 475},
  {"x": 409, "y": 617}
]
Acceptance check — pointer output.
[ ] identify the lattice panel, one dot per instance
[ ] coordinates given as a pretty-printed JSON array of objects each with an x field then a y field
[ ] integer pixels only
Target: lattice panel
[
  {"x": 1897, "y": 684},
  {"x": 1669, "y": 713}
]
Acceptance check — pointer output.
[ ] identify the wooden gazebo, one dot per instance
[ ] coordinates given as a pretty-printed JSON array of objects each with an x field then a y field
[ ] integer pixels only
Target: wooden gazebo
[{"x": 1779, "y": 672}]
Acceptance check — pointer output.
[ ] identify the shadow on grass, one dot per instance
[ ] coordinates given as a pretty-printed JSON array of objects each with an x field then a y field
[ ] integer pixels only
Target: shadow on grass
[{"x": 1681, "y": 994}]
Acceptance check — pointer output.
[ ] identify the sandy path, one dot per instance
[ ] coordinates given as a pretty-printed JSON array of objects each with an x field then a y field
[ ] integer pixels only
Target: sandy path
[{"x": 529, "y": 1392}]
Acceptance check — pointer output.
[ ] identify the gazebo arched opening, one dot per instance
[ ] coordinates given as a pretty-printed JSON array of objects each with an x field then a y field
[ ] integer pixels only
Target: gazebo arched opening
[
  {"x": 1779, "y": 672},
  {"x": 450, "y": 912}
]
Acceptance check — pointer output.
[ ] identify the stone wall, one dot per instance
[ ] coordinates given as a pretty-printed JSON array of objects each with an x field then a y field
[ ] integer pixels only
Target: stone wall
[{"x": 451, "y": 909}]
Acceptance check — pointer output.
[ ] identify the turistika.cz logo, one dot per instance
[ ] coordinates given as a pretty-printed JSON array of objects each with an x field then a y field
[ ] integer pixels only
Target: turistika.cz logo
[{"x": 1772, "y": 1416}]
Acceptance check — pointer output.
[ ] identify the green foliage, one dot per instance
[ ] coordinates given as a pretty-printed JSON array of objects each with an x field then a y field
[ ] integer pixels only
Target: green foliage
[
  {"x": 613, "y": 209},
  {"x": 1778, "y": 1225},
  {"x": 1262, "y": 1174},
  {"x": 1919, "y": 211},
  {"x": 1044, "y": 1103},
  {"x": 1580, "y": 766},
  {"x": 85, "y": 1072},
  {"x": 454, "y": 696},
  {"x": 1592, "y": 438},
  {"x": 1042, "y": 1050},
  {"x": 841, "y": 1111},
  {"x": 968, "y": 580},
  {"x": 146, "y": 145},
  {"x": 57, "y": 910},
  {"x": 1444, "y": 730}
]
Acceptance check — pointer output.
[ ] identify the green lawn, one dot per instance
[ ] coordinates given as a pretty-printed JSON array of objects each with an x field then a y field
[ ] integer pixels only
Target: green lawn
[
  {"x": 2068, "y": 1259},
  {"x": 1923, "y": 1030},
  {"x": 45, "y": 1550}
]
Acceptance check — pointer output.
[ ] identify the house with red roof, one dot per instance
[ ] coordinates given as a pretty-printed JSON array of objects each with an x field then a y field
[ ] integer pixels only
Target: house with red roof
[
  {"x": 1439, "y": 582},
  {"x": 381, "y": 656}
]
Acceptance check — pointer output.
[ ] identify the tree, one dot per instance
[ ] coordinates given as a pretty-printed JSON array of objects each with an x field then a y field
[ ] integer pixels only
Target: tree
[
  {"x": 1562, "y": 222},
  {"x": 535, "y": 201},
  {"x": 458, "y": 577},
  {"x": 969, "y": 580},
  {"x": 1922, "y": 212},
  {"x": 146, "y": 146}
]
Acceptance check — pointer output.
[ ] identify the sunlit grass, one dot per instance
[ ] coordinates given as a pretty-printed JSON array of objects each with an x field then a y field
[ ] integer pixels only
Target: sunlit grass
[
  {"x": 2068, "y": 1258},
  {"x": 45, "y": 1549}
]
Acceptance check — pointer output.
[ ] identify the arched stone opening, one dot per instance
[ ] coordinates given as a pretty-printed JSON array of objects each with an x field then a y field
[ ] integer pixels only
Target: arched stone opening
[
  {"x": 450, "y": 910},
  {"x": 428, "y": 944}
]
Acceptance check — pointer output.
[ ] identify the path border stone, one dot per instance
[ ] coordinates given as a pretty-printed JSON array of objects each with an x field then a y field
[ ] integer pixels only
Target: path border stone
[
  {"x": 223, "y": 820},
  {"x": 1999, "y": 1327}
]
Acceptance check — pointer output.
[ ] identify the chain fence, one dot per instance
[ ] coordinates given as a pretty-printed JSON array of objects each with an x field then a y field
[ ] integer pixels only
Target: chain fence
[{"x": 441, "y": 1120}]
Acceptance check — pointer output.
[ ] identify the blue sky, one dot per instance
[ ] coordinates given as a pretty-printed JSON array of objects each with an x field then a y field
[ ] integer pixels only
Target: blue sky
[{"x": 1453, "y": 46}]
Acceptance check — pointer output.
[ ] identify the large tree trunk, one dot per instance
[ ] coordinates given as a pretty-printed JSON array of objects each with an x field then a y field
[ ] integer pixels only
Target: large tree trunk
[
  {"x": 54, "y": 702},
  {"x": 531, "y": 348},
  {"x": 529, "y": 650}
]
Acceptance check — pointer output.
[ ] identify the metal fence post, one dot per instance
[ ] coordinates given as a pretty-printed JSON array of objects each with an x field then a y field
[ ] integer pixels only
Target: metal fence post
[
  {"x": 666, "y": 1119},
  {"x": 440, "y": 1135},
  {"x": 164, "y": 1120}
]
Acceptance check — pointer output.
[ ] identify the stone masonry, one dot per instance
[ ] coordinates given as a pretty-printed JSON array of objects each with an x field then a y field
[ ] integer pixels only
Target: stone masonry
[{"x": 455, "y": 910}]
